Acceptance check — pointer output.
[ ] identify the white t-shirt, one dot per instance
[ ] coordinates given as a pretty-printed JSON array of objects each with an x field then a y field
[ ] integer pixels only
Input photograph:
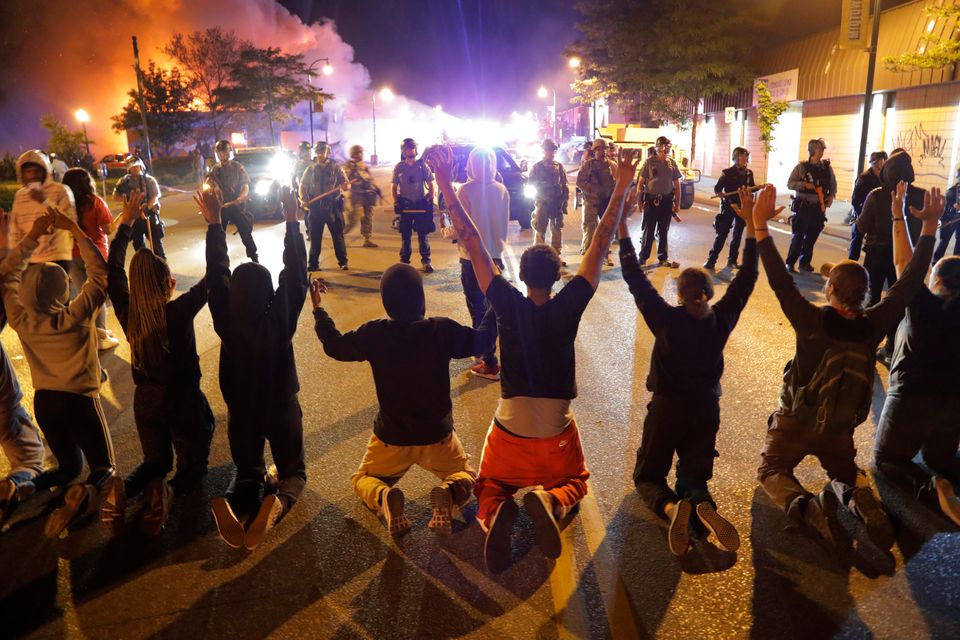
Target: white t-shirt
[{"x": 488, "y": 204}]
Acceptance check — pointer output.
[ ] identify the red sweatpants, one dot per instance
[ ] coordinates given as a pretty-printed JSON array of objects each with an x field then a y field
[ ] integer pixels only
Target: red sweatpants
[{"x": 509, "y": 463}]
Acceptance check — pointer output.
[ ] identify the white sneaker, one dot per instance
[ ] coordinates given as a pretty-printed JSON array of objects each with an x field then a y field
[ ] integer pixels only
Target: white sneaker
[{"x": 106, "y": 340}]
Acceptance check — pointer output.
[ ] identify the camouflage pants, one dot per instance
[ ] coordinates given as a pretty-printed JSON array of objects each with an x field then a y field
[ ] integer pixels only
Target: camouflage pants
[
  {"x": 363, "y": 213},
  {"x": 552, "y": 216}
]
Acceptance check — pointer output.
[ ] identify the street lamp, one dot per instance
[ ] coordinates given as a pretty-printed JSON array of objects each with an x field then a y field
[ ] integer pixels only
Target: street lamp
[
  {"x": 574, "y": 62},
  {"x": 326, "y": 69},
  {"x": 542, "y": 93},
  {"x": 83, "y": 118},
  {"x": 386, "y": 94}
]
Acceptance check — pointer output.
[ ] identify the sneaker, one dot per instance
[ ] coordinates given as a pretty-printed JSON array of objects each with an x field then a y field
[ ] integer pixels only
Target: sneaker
[
  {"x": 154, "y": 518},
  {"x": 75, "y": 500},
  {"x": 866, "y": 506},
  {"x": 488, "y": 372},
  {"x": 392, "y": 508},
  {"x": 370, "y": 245},
  {"x": 113, "y": 507},
  {"x": 669, "y": 263},
  {"x": 496, "y": 545},
  {"x": 806, "y": 267},
  {"x": 230, "y": 529},
  {"x": 790, "y": 268},
  {"x": 820, "y": 515},
  {"x": 949, "y": 502},
  {"x": 608, "y": 262},
  {"x": 710, "y": 265},
  {"x": 344, "y": 267},
  {"x": 271, "y": 510},
  {"x": 721, "y": 528},
  {"x": 442, "y": 502},
  {"x": 539, "y": 506},
  {"x": 678, "y": 536},
  {"x": 427, "y": 267},
  {"x": 732, "y": 264},
  {"x": 106, "y": 340}
]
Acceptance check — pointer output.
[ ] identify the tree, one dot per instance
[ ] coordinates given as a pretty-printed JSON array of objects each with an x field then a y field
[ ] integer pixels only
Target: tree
[
  {"x": 935, "y": 52},
  {"x": 268, "y": 81},
  {"x": 208, "y": 58},
  {"x": 667, "y": 54},
  {"x": 68, "y": 145},
  {"x": 768, "y": 115},
  {"x": 166, "y": 99}
]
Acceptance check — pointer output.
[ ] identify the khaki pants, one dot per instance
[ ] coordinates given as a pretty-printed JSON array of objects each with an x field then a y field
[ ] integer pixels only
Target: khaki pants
[
  {"x": 542, "y": 218},
  {"x": 383, "y": 465},
  {"x": 360, "y": 212}
]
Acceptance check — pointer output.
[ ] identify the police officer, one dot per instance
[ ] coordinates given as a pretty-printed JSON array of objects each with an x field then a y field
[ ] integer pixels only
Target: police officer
[
  {"x": 949, "y": 223},
  {"x": 363, "y": 195},
  {"x": 732, "y": 178},
  {"x": 596, "y": 181},
  {"x": 324, "y": 178},
  {"x": 658, "y": 187},
  {"x": 585, "y": 154},
  {"x": 137, "y": 179},
  {"x": 867, "y": 182},
  {"x": 234, "y": 184},
  {"x": 816, "y": 187},
  {"x": 413, "y": 202},
  {"x": 549, "y": 178}
]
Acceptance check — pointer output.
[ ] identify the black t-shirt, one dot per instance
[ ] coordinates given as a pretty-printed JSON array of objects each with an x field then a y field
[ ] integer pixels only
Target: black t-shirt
[
  {"x": 926, "y": 358},
  {"x": 536, "y": 342},
  {"x": 411, "y": 370}
]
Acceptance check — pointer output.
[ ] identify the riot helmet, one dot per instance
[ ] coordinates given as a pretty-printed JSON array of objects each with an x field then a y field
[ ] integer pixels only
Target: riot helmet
[{"x": 223, "y": 147}]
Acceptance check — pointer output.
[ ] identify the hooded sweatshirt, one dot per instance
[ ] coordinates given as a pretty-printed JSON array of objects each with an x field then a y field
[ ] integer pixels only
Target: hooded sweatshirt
[
  {"x": 58, "y": 336},
  {"x": 255, "y": 323},
  {"x": 410, "y": 358},
  {"x": 875, "y": 221},
  {"x": 57, "y": 245},
  {"x": 486, "y": 201}
]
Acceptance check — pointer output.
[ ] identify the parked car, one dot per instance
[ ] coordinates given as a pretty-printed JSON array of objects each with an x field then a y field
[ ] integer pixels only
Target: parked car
[
  {"x": 114, "y": 160},
  {"x": 268, "y": 168},
  {"x": 510, "y": 173}
]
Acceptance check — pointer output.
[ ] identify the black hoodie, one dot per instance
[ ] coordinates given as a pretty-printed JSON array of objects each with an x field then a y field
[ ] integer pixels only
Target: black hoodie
[
  {"x": 875, "y": 221},
  {"x": 255, "y": 323}
]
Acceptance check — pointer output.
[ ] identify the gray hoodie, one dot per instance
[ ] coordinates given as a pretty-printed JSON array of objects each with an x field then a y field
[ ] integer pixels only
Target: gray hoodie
[
  {"x": 54, "y": 246},
  {"x": 58, "y": 335}
]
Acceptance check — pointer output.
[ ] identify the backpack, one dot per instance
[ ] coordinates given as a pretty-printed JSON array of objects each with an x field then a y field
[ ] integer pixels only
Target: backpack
[{"x": 838, "y": 396}]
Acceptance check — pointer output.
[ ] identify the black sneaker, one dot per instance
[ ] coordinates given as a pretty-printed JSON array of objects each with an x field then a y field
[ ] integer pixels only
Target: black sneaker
[
  {"x": 865, "y": 505},
  {"x": 669, "y": 264},
  {"x": 496, "y": 546},
  {"x": 344, "y": 267},
  {"x": 442, "y": 503},
  {"x": 154, "y": 517},
  {"x": 271, "y": 510},
  {"x": 678, "y": 536},
  {"x": 539, "y": 506},
  {"x": 427, "y": 267},
  {"x": 391, "y": 505},
  {"x": 710, "y": 265},
  {"x": 790, "y": 268},
  {"x": 732, "y": 264},
  {"x": 75, "y": 501},
  {"x": 230, "y": 529},
  {"x": 721, "y": 528},
  {"x": 806, "y": 267}
]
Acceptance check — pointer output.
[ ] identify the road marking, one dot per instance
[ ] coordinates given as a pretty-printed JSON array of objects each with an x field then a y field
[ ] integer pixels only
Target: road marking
[{"x": 570, "y": 613}]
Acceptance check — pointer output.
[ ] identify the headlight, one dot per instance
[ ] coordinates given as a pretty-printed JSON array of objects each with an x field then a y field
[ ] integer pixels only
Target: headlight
[
  {"x": 529, "y": 191},
  {"x": 263, "y": 187},
  {"x": 280, "y": 168}
]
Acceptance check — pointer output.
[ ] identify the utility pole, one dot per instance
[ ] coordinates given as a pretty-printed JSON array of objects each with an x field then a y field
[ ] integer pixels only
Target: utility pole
[
  {"x": 143, "y": 111},
  {"x": 868, "y": 92}
]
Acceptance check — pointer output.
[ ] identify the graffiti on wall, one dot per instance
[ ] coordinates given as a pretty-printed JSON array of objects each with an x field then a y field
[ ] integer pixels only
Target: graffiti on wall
[{"x": 922, "y": 146}]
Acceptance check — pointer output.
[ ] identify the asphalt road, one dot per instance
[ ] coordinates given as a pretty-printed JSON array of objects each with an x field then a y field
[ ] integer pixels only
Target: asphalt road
[{"x": 329, "y": 569}]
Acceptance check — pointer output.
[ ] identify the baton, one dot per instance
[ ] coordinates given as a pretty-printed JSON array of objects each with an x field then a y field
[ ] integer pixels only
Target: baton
[
  {"x": 733, "y": 193},
  {"x": 325, "y": 194}
]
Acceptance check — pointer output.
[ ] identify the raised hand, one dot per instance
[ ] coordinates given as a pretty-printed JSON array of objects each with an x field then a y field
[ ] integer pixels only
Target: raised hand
[
  {"x": 440, "y": 160},
  {"x": 896, "y": 200},
  {"x": 132, "y": 209},
  {"x": 210, "y": 202},
  {"x": 627, "y": 160},
  {"x": 765, "y": 206},
  {"x": 61, "y": 221},
  {"x": 933, "y": 205},
  {"x": 289, "y": 200},
  {"x": 317, "y": 289},
  {"x": 744, "y": 210},
  {"x": 41, "y": 226}
]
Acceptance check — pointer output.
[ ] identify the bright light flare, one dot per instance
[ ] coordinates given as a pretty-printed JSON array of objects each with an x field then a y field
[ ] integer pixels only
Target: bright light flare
[
  {"x": 574, "y": 62},
  {"x": 386, "y": 94},
  {"x": 81, "y": 115},
  {"x": 280, "y": 168},
  {"x": 438, "y": 108},
  {"x": 529, "y": 192},
  {"x": 263, "y": 186},
  {"x": 327, "y": 69},
  {"x": 542, "y": 92}
]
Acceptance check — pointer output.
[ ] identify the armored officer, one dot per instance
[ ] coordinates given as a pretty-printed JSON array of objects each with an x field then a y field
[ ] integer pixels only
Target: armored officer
[
  {"x": 658, "y": 187},
  {"x": 867, "y": 182},
  {"x": 321, "y": 190},
  {"x": 137, "y": 179},
  {"x": 732, "y": 178},
  {"x": 230, "y": 176},
  {"x": 413, "y": 203},
  {"x": 596, "y": 181},
  {"x": 363, "y": 195},
  {"x": 816, "y": 187},
  {"x": 549, "y": 178}
]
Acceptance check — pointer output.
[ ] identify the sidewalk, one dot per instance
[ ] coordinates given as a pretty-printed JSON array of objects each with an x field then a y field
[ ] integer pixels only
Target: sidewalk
[{"x": 835, "y": 214}]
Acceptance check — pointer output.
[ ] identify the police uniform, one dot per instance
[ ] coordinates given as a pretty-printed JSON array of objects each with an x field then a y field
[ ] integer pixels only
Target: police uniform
[
  {"x": 596, "y": 181},
  {"x": 867, "y": 182},
  {"x": 659, "y": 178},
  {"x": 363, "y": 195},
  {"x": 731, "y": 179},
  {"x": 949, "y": 225},
  {"x": 231, "y": 177},
  {"x": 810, "y": 215},
  {"x": 320, "y": 177},
  {"x": 147, "y": 185},
  {"x": 411, "y": 181},
  {"x": 549, "y": 178}
]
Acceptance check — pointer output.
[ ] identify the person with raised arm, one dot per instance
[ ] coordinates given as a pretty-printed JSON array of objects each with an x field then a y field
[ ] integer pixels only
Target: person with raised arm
[
  {"x": 533, "y": 440},
  {"x": 258, "y": 375},
  {"x": 683, "y": 416},
  {"x": 828, "y": 384}
]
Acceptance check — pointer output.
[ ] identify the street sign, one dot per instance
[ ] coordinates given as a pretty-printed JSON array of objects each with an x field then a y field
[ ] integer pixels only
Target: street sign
[
  {"x": 854, "y": 24},
  {"x": 730, "y": 115}
]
